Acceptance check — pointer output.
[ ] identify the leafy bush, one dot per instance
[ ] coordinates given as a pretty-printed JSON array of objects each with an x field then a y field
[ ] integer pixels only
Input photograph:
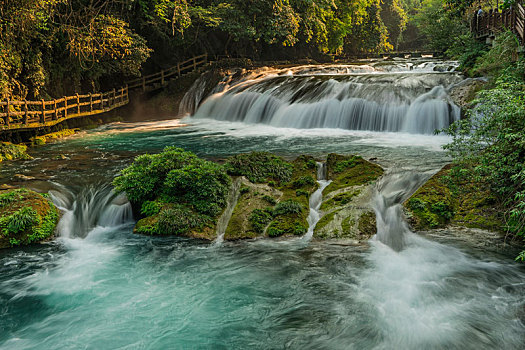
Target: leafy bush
[
  {"x": 22, "y": 221},
  {"x": 175, "y": 176},
  {"x": 416, "y": 204},
  {"x": 443, "y": 210},
  {"x": 490, "y": 142},
  {"x": 342, "y": 165},
  {"x": 9, "y": 197},
  {"x": 259, "y": 167},
  {"x": 288, "y": 207},
  {"x": 303, "y": 181},
  {"x": 301, "y": 192},
  {"x": 150, "y": 208}
]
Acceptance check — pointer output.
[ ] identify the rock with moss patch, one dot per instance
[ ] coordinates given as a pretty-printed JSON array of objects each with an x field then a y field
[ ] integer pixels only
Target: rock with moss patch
[
  {"x": 437, "y": 204},
  {"x": 25, "y": 217},
  {"x": 43, "y": 139},
  {"x": 10, "y": 151},
  {"x": 346, "y": 210}
]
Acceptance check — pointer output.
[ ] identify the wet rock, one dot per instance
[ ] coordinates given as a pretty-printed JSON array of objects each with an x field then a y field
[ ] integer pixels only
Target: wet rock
[{"x": 23, "y": 177}]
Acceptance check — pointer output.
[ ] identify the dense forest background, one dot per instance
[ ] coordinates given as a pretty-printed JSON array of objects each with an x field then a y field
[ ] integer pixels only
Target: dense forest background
[{"x": 51, "y": 48}]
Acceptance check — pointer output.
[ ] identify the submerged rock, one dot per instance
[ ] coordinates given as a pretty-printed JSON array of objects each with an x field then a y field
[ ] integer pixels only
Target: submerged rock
[{"x": 25, "y": 217}]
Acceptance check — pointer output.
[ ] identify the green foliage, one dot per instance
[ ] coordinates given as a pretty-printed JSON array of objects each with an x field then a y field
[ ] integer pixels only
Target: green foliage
[
  {"x": 259, "y": 167},
  {"x": 9, "y": 151},
  {"x": 178, "y": 220},
  {"x": 288, "y": 207},
  {"x": 269, "y": 199},
  {"x": 301, "y": 192},
  {"x": 21, "y": 221},
  {"x": 303, "y": 181},
  {"x": 150, "y": 208},
  {"x": 259, "y": 218},
  {"x": 500, "y": 56}
]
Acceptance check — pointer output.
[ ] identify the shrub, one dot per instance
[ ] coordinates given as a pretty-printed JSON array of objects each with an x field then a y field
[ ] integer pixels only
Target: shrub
[
  {"x": 179, "y": 220},
  {"x": 303, "y": 181},
  {"x": 416, "y": 204},
  {"x": 274, "y": 232},
  {"x": 288, "y": 207},
  {"x": 260, "y": 167},
  {"x": 150, "y": 208},
  {"x": 301, "y": 192}
]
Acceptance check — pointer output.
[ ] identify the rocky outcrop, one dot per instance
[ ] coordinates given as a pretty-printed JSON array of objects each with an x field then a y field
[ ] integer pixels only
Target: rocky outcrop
[
  {"x": 25, "y": 217},
  {"x": 439, "y": 203},
  {"x": 465, "y": 92},
  {"x": 346, "y": 207}
]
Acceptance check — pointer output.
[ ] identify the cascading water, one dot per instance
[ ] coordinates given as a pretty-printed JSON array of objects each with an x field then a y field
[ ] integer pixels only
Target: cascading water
[
  {"x": 392, "y": 191},
  {"x": 92, "y": 206},
  {"x": 359, "y": 98},
  {"x": 316, "y": 200}
]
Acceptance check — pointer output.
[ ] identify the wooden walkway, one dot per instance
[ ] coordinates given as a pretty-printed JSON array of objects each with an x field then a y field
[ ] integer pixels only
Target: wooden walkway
[
  {"x": 493, "y": 22},
  {"x": 26, "y": 115}
]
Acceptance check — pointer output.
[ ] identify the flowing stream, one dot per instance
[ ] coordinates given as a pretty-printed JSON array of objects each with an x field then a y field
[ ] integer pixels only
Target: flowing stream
[
  {"x": 99, "y": 286},
  {"x": 316, "y": 199}
]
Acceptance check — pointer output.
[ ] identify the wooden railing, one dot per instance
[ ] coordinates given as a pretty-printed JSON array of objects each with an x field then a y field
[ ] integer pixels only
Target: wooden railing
[
  {"x": 34, "y": 114},
  {"x": 161, "y": 78},
  {"x": 494, "y": 21},
  {"x": 21, "y": 115}
]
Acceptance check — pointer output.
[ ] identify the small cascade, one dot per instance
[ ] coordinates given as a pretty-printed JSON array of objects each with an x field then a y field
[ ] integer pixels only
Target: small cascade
[
  {"x": 93, "y": 206},
  {"x": 223, "y": 221},
  {"x": 392, "y": 191},
  {"x": 316, "y": 200}
]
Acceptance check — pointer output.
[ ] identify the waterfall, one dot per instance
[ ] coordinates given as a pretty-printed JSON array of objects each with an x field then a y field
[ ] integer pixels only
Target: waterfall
[
  {"x": 316, "y": 200},
  {"x": 364, "y": 98},
  {"x": 222, "y": 223},
  {"x": 392, "y": 190},
  {"x": 92, "y": 206}
]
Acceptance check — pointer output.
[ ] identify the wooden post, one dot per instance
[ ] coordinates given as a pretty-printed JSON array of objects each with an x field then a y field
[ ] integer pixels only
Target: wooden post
[
  {"x": 43, "y": 116},
  {"x": 127, "y": 93},
  {"x": 194, "y": 63},
  {"x": 114, "y": 97},
  {"x": 90, "y": 102},
  {"x": 55, "y": 113},
  {"x": 78, "y": 104},
  {"x": 162, "y": 77},
  {"x": 143, "y": 84},
  {"x": 65, "y": 107},
  {"x": 26, "y": 114},
  {"x": 7, "y": 112},
  {"x": 178, "y": 69}
]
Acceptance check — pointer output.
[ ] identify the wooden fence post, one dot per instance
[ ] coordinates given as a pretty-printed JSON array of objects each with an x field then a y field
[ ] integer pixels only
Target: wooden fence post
[
  {"x": 55, "y": 113},
  {"x": 127, "y": 92},
  {"x": 65, "y": 107},
  {"x": 90, "y": 102},
  {"x": 7, "y": 112},
  {"x": 162, "y": 77},
  {"x": 143, "y": 84},
  {"x": 26, "y": 114},
  {"x": 194, "y": 63},
  {"x": 114, "y": 97},
  {"x": 78, "y": 104},
  {"x": 178, "y": 69},
  {"x": 43, "y": 116}
]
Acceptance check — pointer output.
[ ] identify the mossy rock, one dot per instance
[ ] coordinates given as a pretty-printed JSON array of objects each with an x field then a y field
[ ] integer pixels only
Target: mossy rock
[
  {"x": 43, "y": 139},
  {"x": 355, "y": 224},
  {"x": 10, "y": 151},
  {"x": 435, "y": 205},
  {"x": 25, "y": 217},
  {"x": 350, "y": 170},
  {"x": 252, "y": 197}
]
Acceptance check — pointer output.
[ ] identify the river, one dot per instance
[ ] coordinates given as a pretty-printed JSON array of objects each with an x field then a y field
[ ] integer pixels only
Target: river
[{"x": 99, "y": 286}]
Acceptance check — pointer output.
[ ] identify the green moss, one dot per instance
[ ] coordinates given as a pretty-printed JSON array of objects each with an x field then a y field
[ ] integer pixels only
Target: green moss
[
  {"x": 259, "y": 218},
  {"x": 367, "y": 225},
  {"x": 347, "y": 225},
  {"x": 286, "y": 225},
  {"x": 43, "y": 139},
  {"x": 25, "y": 217},
  {"x": 340, "y": 199},
  {"x": 346, "y": 171},
  {"x": 259, "y": 167},
  {"x": 439, "y": 202},
  {"x": 10, "y": 151},
  {"x": 325, "y": 220}
]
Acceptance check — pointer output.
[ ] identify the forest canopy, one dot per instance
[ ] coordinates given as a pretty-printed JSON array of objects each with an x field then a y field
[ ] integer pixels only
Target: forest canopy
[{"x": 51, "y": 48}]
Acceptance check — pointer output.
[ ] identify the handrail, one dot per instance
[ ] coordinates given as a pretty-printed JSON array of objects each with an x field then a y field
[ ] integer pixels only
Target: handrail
[
  {"x": 512, "y": 18},
  {"x": 17, "y": 114}
]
